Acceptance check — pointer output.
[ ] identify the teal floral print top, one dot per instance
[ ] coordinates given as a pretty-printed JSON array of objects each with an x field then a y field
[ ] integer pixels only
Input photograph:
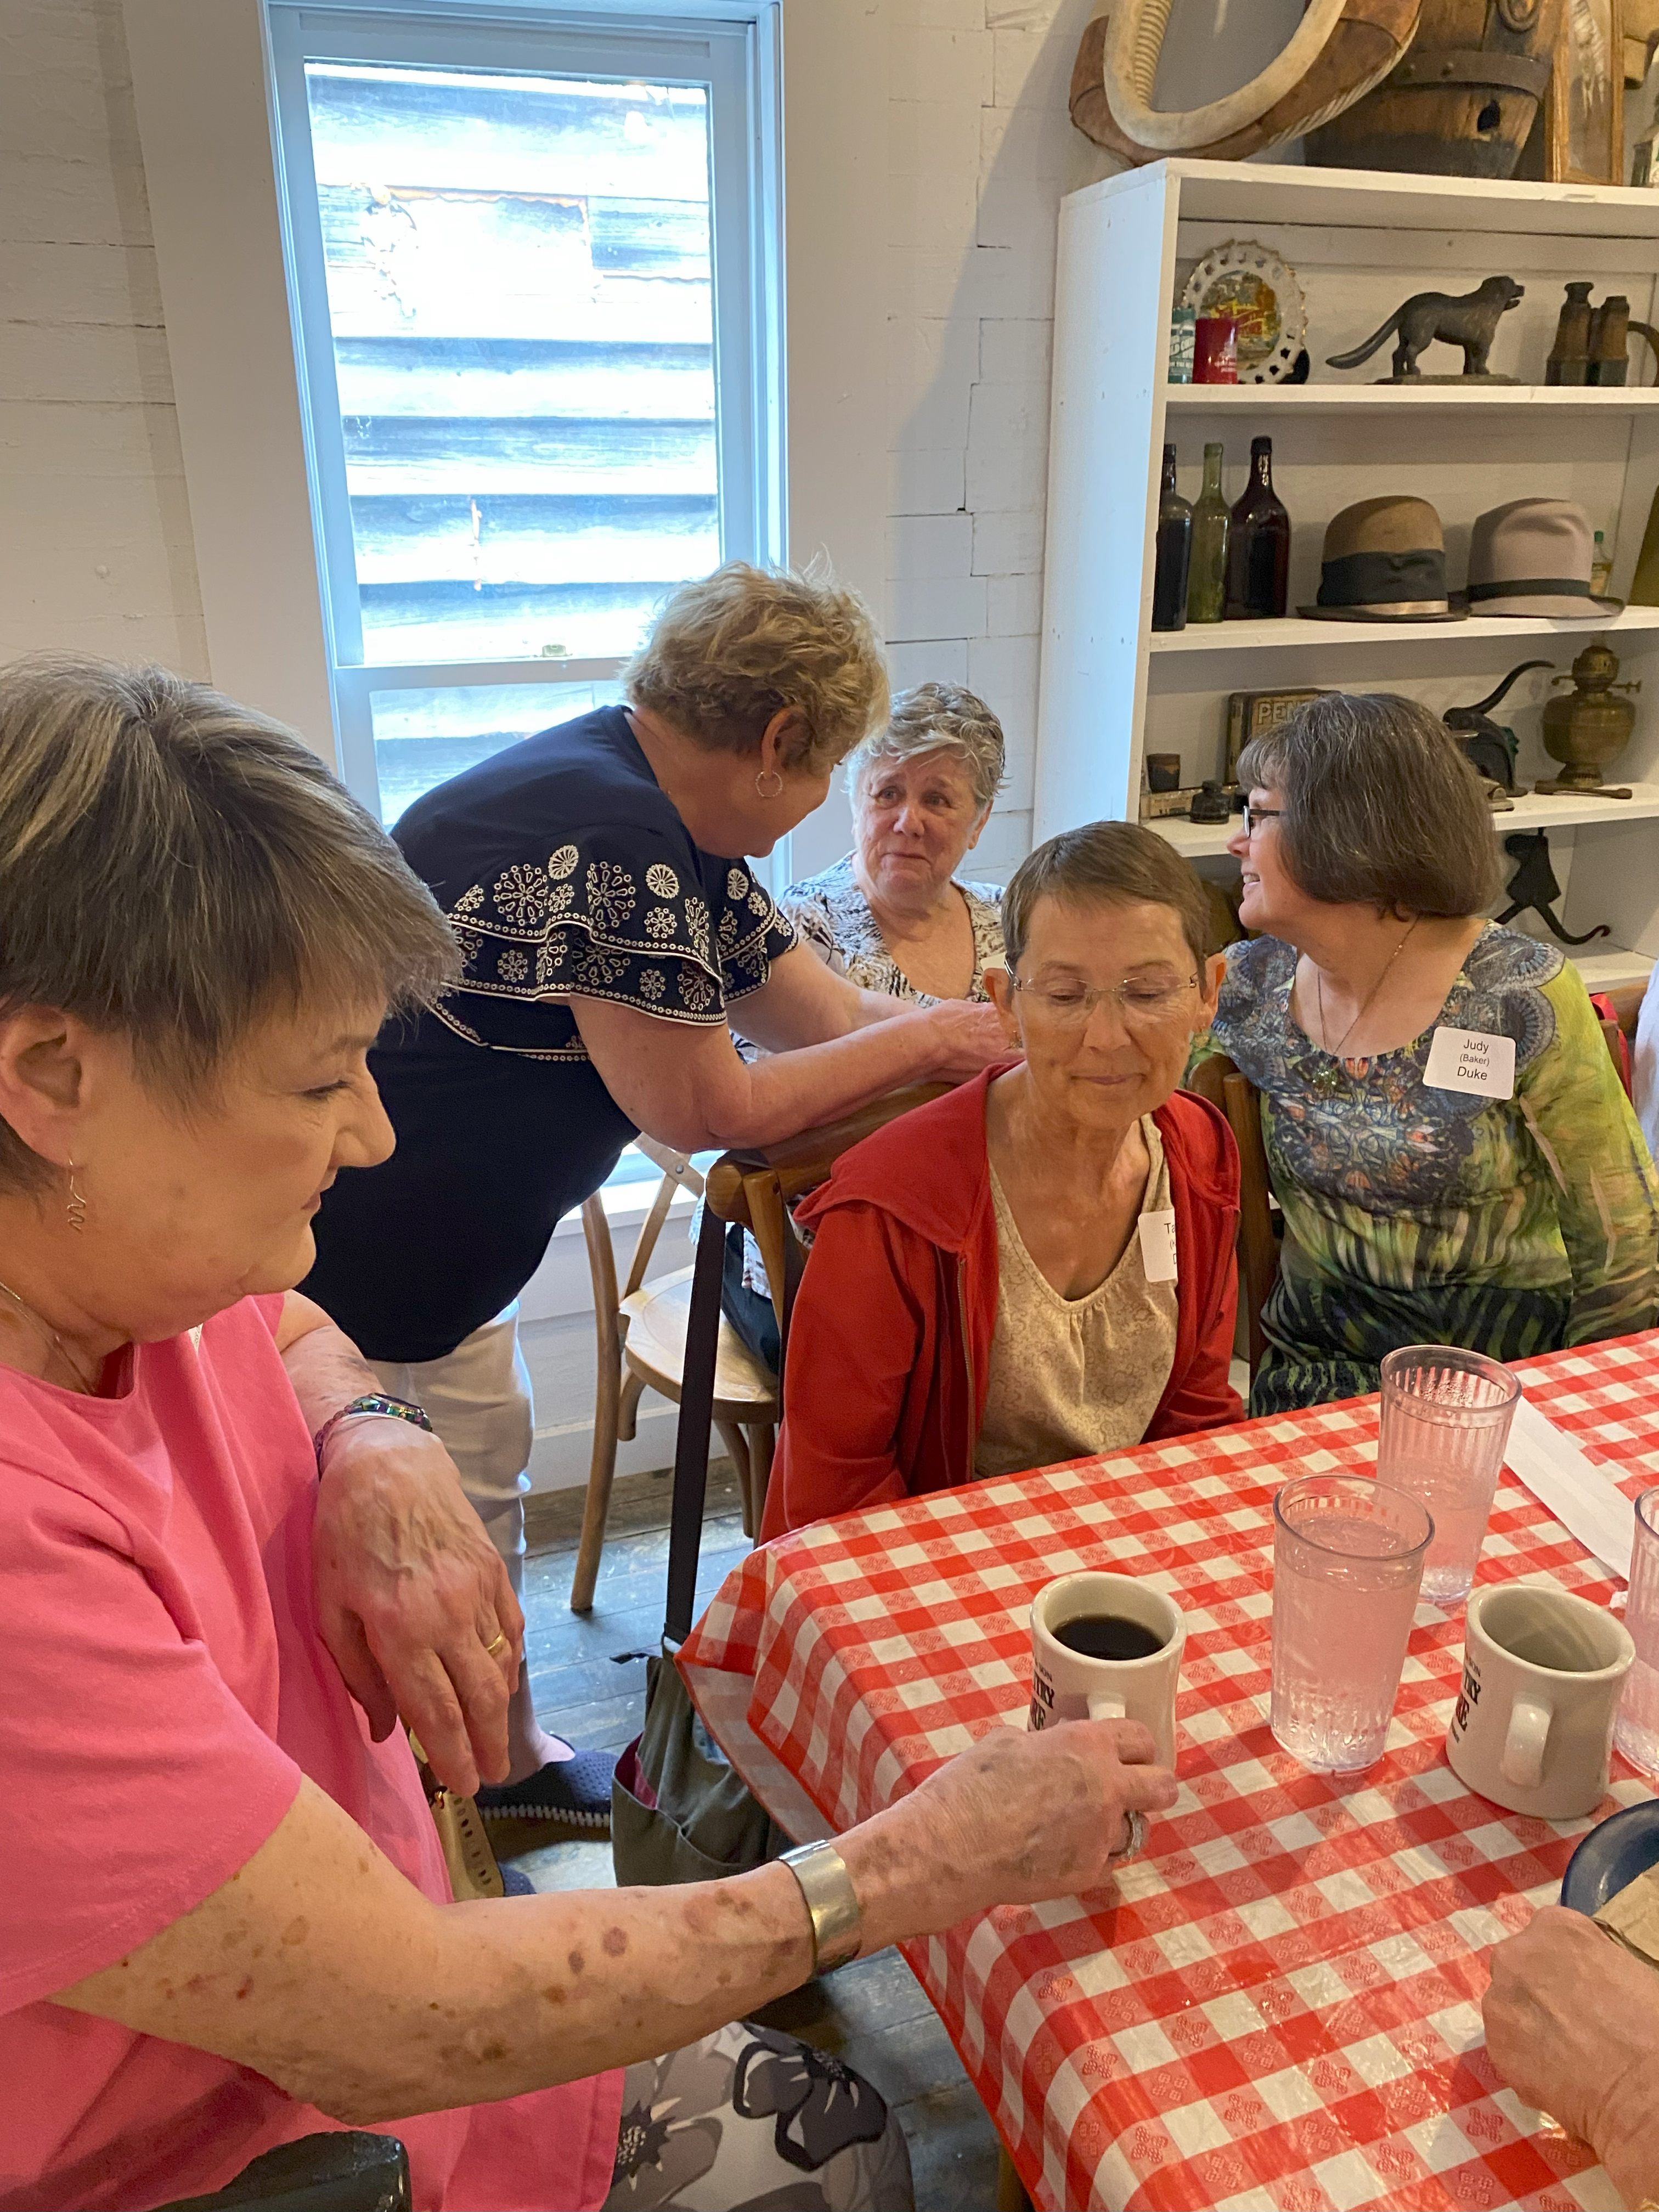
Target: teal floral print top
[{"x": 1414, "y": 1214}]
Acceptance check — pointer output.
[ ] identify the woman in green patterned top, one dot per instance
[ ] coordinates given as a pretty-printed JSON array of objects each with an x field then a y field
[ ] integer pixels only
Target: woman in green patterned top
[{"x": 1430, "y": 1194}]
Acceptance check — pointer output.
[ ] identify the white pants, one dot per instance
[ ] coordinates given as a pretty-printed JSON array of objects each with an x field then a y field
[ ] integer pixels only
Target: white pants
[{"x": 478, "y": 1399}]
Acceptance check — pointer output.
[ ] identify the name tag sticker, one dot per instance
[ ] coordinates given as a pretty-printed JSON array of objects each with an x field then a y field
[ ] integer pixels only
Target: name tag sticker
[
  {"x": 1472, "y": 1060},
  {"x": 1158, "y": 1246}
]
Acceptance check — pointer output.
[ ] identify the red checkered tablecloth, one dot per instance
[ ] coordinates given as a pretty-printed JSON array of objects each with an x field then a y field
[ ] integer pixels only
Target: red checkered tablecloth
[{"x": 1278, "y": 2005}]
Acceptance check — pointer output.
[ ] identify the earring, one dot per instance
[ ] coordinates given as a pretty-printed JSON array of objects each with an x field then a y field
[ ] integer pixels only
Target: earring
[
  {"x": 77, "y": 1203},
  {"x": 777, "y": 781}
]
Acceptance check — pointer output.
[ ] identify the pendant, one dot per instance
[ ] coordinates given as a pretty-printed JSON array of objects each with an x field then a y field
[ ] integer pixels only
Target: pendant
[{"x": 1328, "y": 1080}]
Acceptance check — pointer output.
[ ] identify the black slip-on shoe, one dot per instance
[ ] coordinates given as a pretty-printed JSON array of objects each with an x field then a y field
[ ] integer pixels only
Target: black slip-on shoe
[{"x": 574, "y": 1791}]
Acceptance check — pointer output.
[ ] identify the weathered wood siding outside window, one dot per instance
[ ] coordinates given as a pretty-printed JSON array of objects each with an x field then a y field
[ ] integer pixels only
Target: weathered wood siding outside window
[{"x": 520, "y": 299}]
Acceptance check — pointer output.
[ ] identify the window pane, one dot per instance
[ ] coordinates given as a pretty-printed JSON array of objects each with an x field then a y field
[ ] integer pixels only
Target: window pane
[
  {"x": 521, "y": 295},
  {"x": 423, "y": 738}
]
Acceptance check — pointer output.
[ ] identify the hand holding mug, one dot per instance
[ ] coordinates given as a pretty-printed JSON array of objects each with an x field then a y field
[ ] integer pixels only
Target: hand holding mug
[
  {"x": 1107, "y": 1647},
  {"x": 1015, "y": 1819}
]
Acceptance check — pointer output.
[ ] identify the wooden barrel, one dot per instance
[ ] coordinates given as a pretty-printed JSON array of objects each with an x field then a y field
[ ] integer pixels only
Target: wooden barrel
[{"x": 1461, "y": 104}]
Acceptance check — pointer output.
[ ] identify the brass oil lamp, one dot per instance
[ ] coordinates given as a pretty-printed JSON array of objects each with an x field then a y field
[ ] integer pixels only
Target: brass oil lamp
[{"x": 1589, "y": 727}]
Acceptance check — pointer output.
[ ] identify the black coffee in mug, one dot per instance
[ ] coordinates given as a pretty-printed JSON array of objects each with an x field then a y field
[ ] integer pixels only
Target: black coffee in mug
[{"x": 1107, "y": 1635}]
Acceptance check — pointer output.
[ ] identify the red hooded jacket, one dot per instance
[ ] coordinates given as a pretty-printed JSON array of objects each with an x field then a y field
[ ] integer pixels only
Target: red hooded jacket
[{"x": 889, "y": 1340}]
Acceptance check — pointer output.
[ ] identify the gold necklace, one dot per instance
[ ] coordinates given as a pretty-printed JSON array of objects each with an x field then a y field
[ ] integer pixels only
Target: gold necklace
[
  {"x": 1330, "y": 1079},
  {"x": 50, "y": 1335}
]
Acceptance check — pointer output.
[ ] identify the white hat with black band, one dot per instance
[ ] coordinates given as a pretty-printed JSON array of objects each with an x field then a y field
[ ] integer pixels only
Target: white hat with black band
[{"x": 1532, "y": 557}]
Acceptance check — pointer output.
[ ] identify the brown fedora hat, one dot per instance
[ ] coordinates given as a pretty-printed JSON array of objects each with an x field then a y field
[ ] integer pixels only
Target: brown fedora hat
[
  {"x": 1533, "y": 556},
  {"x": 1384, "y": 561}
]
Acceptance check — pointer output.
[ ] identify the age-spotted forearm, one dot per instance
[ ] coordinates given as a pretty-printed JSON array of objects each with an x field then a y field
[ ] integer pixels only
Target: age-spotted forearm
[{"x": 320, "y": 1967}]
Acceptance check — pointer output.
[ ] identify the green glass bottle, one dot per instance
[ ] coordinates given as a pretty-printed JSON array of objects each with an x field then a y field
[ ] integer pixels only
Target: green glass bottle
[
  {"x": 1206, "y": 579},
  {"x": 1174, "y": 546}
]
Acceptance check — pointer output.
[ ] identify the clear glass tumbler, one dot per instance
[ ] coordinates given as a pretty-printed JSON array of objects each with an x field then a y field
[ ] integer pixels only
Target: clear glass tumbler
[
  {"x": 1348, "y": 1557},
  {"x": 1445, "y": 1424},
  {"x": 1636, "y": 1731}
]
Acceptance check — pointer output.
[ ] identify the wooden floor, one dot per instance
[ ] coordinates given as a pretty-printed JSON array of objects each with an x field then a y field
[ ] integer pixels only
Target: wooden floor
[{"x": 589, "y": 1676}]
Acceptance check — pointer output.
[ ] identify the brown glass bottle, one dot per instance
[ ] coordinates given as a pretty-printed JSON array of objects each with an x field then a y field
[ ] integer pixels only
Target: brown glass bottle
[
  {"x": 1175, "y": 552},
  {"x": 1258, "y": 547}
]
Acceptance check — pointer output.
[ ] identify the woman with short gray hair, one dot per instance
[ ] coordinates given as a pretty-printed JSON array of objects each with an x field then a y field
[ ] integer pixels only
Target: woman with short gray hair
[
  {"x": 1455, "y": 1160},
  {"x": 228, "y": 1564},
  {"x": 892, "y": 915}
]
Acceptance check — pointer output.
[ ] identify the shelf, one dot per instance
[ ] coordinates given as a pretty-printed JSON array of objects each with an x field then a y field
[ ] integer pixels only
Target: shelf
[
  {"x": 1205, "y": 839},
  {"x": 1296, "y": 633},
  {"x": 1322, "y": 399},
  {"x": 1270, "y": 192},
  {"x": 1611, "y": 968}
]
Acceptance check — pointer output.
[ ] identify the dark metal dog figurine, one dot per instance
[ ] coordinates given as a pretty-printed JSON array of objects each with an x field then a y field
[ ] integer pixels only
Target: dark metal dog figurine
[
  {"x": 1470, "y": 321},
  {"x": 1490, "y": 747},
  {"x": 1533, "y": 886}
]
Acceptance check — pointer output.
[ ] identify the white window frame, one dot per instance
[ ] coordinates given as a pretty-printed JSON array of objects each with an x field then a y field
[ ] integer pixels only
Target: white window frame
[
  {"x": 735, "y": 60},
  {"x": 202, "y": 73}
]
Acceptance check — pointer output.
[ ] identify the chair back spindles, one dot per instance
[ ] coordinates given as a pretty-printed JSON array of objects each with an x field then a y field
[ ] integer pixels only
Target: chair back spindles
[
  {"x": 677, "y": 1174},
  {"x": 641, "y": 1339}
]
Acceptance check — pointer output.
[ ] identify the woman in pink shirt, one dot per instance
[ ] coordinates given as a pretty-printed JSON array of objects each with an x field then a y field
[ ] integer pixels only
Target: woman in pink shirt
[{"x": 227, "y": 1923}]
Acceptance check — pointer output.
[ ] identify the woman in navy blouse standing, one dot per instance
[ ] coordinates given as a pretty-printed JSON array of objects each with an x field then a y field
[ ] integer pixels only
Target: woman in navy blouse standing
[{"x": 606, "y": 930}]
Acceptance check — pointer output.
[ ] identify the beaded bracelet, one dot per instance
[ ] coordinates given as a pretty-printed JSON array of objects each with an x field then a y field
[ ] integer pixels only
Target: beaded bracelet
[{"x": 400, "y": 1409}]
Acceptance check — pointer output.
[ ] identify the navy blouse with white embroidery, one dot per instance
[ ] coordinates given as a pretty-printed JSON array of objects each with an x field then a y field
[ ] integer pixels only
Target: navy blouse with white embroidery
[{"x": 565, "y": 871}]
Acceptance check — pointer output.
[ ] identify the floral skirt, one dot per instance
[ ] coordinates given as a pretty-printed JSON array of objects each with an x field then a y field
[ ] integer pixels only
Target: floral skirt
[{"x": 749, "y": 2120}]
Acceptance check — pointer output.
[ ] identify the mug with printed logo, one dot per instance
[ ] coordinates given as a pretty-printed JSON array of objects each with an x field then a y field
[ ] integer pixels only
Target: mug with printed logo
[
  {"x": 1542, "y": 1674},
  {"x": 1107, "y": 1647}
]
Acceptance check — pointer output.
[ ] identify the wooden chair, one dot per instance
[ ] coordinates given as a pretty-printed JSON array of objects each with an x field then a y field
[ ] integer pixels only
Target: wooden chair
[
  {"x": 642, "y": 1346},
  {"x": 757, "y": 1189},
  {"x": 1221, "y": 1083}
]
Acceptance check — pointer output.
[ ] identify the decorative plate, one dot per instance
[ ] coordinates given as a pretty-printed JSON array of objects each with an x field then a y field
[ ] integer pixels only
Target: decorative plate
[{"x": 1251, "y": 283}]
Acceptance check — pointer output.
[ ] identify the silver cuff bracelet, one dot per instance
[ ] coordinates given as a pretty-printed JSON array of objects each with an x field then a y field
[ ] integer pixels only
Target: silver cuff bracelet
[{"x": 831, "y": 1903}]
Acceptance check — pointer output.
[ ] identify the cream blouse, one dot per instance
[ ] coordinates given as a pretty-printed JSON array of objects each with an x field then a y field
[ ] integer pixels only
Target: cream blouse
[{"x": 1074, "y": 1375}]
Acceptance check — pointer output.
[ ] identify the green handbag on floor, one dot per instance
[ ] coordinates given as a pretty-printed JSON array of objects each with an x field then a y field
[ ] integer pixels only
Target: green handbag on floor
[{"x": 679, "y": 1810}]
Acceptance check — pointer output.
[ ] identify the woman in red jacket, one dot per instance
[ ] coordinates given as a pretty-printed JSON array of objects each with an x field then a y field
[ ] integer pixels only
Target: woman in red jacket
[{"x": 1038, "y": 1266}]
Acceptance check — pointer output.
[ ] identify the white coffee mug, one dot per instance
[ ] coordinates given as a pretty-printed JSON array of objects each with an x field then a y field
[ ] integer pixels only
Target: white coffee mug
[
  {"x": 1068, "y": 1685},
  {"x": 1533, "y": 1727}
]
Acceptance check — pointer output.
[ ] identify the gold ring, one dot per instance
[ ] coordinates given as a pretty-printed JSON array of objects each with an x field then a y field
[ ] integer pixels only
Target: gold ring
[{"x": 495, "y": 1643}]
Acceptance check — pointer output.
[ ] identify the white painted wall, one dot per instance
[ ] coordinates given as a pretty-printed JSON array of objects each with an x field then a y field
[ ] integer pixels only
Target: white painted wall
[{"x": 96, "y": 553}]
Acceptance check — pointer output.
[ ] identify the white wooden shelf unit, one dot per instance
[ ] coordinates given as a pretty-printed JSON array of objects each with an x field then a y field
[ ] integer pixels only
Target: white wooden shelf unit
[{"x": 1359, "y": 242}]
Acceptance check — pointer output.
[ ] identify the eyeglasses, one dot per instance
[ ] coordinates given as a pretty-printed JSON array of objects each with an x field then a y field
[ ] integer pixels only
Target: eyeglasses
[
  {"x": 1255, "y": 816},
  {"x": 1070, "y": 1006}
]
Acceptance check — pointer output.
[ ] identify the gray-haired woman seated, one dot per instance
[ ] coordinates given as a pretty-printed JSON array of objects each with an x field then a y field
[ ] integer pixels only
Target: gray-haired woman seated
[
  {"x": 893, "y": 915},
  {"x": 228, "y": 1923}
]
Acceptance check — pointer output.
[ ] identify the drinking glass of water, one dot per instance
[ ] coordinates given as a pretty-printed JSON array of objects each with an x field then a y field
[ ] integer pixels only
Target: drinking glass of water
[
  {"x": 1446, "y": 1418},
  {"x": 1348, "y": 1557},
  {"x": 1636, "y": 1731}
]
